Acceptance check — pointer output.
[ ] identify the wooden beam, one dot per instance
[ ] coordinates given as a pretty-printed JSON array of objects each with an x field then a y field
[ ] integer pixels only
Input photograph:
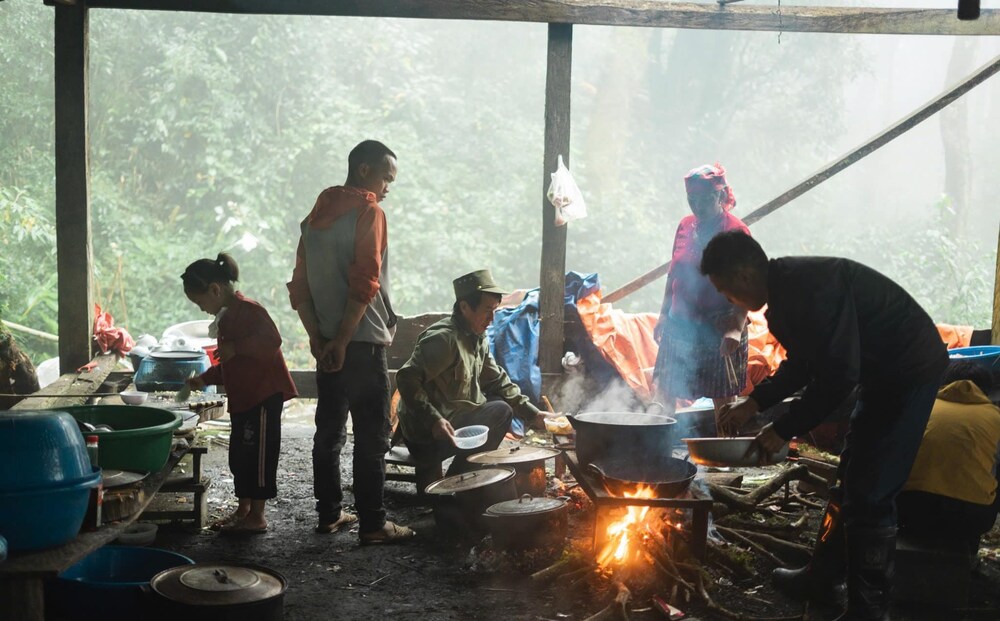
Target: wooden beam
[
  {"x": 76, "y": 388},
  {"x": 553, "y": 269},
  {"x": 73, "y": 247},
  {"x": 996, "y": 299},
  {"x": 648, "y": 13},
  {"x": 871, "y": 145}
]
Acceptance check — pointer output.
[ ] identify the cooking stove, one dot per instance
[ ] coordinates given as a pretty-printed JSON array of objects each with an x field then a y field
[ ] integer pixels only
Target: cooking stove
[{"x": 694, "y": 500}]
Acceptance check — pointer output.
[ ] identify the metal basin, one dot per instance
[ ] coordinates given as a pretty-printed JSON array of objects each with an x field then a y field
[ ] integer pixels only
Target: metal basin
[{"x": 726, "y": 452}]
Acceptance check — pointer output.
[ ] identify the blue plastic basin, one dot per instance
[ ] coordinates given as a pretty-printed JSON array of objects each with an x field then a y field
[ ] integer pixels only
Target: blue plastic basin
[
  {"x": 985, "y": 355},
  {"x": 45, "y": 517},
  {"x": 41, "y": 449},
  {"x": 108, "y": 583}
]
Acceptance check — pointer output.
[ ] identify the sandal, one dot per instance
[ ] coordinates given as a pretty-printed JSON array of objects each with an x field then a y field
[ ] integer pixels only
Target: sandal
[
  {"x": 346, "y": 519},
  {"x": 227, "y": 521},
  {"x": 390, "y": 533}
]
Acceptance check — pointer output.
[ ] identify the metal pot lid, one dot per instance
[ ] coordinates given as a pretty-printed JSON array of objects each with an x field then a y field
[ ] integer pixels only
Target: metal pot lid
[
  {"x": 527, "y": 505},
  {"x": 117, "y": 478},
  {"x": 623, "y": 419},
  {"x": 211, "y": 584},
  {"x": 514, "y": 455},
  {"x": 470, "y": 480}
]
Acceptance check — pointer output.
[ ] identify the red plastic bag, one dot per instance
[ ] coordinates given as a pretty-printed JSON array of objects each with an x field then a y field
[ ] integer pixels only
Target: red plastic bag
[{"x": 108, "y": 337}]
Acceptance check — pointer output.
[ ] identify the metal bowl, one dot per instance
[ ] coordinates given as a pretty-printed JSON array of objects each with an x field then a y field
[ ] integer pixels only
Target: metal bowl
[{"x": 726, "y": 452}]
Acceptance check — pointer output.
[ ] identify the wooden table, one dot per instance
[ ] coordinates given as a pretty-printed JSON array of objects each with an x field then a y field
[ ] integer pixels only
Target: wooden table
[{"x": 23, "y": 574}]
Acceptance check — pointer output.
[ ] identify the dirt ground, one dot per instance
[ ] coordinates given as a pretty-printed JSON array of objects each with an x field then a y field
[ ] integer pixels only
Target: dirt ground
[{"x": 435, "y": 578}]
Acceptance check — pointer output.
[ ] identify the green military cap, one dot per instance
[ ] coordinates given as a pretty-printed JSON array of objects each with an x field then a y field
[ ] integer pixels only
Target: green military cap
[{"x": 479, "y": 280}]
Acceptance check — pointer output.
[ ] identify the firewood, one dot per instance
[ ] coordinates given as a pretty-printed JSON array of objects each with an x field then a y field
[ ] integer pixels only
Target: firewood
[
  {"x": 777, "y": 544},
  {"x": 753, "y": 544},
  {"x": 563, "y": 565},
  {"x": 617, "y": 609},
  {"x": 729, "y": 614}
]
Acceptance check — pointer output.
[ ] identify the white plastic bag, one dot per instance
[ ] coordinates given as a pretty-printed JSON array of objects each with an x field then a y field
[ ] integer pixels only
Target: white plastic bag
[{"x": 565, "y": 196}]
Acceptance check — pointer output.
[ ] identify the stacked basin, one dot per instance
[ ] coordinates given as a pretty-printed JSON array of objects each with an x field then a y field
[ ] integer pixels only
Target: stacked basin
[
  {"x": 45, "y": 479},
  {"x": 140, "y": 438}
]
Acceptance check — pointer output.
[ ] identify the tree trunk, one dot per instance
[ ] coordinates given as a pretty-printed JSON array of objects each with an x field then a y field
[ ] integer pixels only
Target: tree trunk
[
  {"x": 17, "y": 373},
  {"x": 955, "y": 136}
]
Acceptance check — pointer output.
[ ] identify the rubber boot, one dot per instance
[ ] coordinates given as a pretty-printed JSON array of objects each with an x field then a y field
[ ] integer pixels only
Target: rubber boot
[
  {"x": 871, "y": 555},
  {"x": 822, "y": 579}
]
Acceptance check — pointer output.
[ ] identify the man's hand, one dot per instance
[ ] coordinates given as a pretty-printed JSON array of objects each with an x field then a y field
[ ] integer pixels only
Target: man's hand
[
  {"x": 195, "y": 383},
  {"x": 316, "y": 345},
  {"x": 332, "y": 359},
  {"x": 442, "y": 430},
  {"x": 769, "y": 440},
  {"x": 226, "y": 351},
  {"x": 731, "y": 417}
]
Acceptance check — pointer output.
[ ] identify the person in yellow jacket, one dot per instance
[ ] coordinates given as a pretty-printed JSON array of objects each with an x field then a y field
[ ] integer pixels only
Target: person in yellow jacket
[{"x": 952, "y": 488}]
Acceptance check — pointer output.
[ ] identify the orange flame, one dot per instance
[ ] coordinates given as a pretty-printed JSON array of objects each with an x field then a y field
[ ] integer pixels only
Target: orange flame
[{"x": 618, "y": 549}]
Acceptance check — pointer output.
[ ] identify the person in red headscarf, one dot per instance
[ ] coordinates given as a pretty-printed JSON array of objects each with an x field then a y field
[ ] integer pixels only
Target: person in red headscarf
[{"x": 702, "y": 336}]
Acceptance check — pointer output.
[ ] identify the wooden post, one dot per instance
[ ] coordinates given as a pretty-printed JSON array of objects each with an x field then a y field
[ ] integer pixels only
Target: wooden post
[
  {"x": 72, "y": 186},
  {"x": 996, "y": 299},
  {"x": 553, "y": 270}
]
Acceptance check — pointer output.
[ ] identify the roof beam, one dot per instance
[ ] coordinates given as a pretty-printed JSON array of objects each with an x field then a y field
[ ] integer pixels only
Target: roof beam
[{"x": 649, "y": 13}]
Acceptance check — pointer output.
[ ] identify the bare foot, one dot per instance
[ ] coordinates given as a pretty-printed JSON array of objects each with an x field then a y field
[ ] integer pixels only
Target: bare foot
[{"x": 229, "y": 520}]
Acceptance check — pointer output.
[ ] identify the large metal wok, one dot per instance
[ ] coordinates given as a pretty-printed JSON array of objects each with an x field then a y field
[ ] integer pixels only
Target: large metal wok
[{"x": 668, "y": 476}]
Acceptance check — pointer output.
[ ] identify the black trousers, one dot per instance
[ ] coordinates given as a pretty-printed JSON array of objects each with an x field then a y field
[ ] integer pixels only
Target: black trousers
[
  {"x": 931, "y": 516},
  {"x": 254, "y": 447},
  {"x": 494, "y": 414},
  {"x": 360, "y": 388},
  {"x": 885, "y": 432}
]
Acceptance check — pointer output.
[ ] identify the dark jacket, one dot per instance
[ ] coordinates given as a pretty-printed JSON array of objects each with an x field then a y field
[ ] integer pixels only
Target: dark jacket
[{"x": 843, "y": 324}]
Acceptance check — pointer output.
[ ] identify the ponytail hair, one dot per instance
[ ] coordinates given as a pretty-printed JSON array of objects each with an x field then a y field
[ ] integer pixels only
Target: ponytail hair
[{"x": 203, "y": 272}]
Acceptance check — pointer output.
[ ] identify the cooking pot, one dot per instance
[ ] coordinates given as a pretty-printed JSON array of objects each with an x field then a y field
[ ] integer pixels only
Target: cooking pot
[
  {"x": 613, "y": 435},
  {"x": 528, "y": 463},
  {"x": 696, "y": 421},
  {"x": 668, "y": 476},
  {"x": 219, "y": 592},
  {"x": 168, "y": 370},
  {"x": 462, "y": 498},
  {"x": 528, "y": 523}
]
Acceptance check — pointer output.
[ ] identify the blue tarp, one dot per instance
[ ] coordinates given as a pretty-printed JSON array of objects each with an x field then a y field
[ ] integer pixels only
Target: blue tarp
[{"x": 513, "y": 336}]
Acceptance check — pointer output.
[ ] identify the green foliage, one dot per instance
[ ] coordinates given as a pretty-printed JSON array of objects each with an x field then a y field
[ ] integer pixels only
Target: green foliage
[{"x": 217, "y": 132}]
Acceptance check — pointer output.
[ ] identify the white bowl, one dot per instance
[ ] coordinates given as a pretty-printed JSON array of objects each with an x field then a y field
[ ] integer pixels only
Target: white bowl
[
  {"x": 471, "y": 437},
  {"x": 133, "y": 397}
]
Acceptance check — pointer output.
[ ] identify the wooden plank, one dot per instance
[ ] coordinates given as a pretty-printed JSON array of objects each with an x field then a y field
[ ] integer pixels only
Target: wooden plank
[
  {"x": 81, "y": 385},
  {"x": 644, "y": 13},
  {"x": 996, "y": 299},
  {"x": 553, "y": 269},
  {"x": 73, "y": 242},
  {"x": 871, "y": 145}
]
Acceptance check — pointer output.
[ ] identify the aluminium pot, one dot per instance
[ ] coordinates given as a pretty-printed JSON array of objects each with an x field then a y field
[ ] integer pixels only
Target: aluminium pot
[
  {"x": 528, "y": 523},
  {"x": 219, "y": 592},
  {"x": 528, "y": 463},
  {"x": 621, "y": 435},
  {"x": 460, "y": 500}
]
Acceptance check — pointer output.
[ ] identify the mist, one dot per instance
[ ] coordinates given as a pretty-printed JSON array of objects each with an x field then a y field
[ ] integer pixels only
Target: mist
[{"x": 217, "y": 132}]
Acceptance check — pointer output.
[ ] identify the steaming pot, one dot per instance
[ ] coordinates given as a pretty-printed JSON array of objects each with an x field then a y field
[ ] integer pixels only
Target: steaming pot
[{"x": 621, "y": 435}]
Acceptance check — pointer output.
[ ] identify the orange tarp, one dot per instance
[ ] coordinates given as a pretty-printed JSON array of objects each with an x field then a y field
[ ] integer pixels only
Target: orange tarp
[{"x": 626, "y": 342}]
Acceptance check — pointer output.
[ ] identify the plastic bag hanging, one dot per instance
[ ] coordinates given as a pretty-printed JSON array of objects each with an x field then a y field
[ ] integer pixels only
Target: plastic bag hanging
[{"x": 565, "y": 196}]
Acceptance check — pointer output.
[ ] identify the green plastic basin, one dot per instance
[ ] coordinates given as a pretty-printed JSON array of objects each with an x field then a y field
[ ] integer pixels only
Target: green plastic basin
[{"x": 141, "y": 438}]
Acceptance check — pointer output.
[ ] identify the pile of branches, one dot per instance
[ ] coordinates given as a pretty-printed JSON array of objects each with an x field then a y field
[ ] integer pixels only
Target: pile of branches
[{"x": 670, "y": 577}]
